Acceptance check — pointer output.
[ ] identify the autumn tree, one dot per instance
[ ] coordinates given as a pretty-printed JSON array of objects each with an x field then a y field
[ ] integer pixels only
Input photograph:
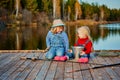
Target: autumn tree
[
  {"x": 78, "y": 11},
  {"x": 56, "y": 9},
  {"x": 17, "y": 7},
  {"x": 104, "y": 13},
  {"x": 70, "y": 9}
]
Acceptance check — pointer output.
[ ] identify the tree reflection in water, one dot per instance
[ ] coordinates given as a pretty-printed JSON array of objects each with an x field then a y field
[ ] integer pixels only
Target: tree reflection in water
[{"x": 27, "y": 38}]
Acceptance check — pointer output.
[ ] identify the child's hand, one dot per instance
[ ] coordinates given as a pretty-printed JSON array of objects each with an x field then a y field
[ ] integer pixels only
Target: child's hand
[
  {"x": 47, "y": 49},
  {"x": 82, "y": 53},
  {"x": 70, "y": 51}
]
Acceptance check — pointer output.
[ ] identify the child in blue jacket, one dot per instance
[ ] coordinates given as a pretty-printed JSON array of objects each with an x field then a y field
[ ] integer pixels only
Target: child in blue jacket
[{"x": 57, "y": 41}]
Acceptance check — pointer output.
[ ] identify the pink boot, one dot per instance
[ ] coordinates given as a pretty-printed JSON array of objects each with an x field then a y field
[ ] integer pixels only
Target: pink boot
[
  {"x": 83, "y": 60},
  {"x": 80, "y": 60},
  {"x": 57, "y": 58},
  {"x": 63, "y": 58}
]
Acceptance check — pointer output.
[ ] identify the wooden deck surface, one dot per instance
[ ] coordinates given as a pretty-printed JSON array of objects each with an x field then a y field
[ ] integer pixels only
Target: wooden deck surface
[{"x": 12, "y": 68}]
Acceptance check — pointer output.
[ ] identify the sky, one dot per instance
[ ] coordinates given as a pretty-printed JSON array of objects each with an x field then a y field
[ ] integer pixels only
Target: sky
[{"x": 109, "y": 3}]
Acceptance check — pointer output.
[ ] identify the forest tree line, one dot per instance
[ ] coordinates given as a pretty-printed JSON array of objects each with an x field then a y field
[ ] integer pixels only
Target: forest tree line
[{"x": 65, "y": 9}]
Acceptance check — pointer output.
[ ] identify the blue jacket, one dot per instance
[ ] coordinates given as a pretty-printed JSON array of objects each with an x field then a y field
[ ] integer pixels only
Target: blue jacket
[{"x": 52, "y": 39}]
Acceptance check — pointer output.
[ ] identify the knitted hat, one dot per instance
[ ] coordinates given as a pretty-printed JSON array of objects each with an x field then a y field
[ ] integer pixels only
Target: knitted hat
[{"x": 57, "y": 22}]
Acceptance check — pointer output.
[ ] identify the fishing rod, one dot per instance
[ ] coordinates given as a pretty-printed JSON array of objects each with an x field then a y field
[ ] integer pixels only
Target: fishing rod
[
  {"x": 96, "y": 67},
  {"x": 35, "y": 58}
]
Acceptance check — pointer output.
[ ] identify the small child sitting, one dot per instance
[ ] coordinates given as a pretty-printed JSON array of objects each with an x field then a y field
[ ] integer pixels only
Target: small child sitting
[
  {"x": 57, "y": 41},
  {"x": 84, "y": 40}
]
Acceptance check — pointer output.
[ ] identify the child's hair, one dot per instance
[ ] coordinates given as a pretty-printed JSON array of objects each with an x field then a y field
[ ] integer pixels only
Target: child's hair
[
  {"x": 53, "y": 29},
  {"x": 85, "y": 30}
]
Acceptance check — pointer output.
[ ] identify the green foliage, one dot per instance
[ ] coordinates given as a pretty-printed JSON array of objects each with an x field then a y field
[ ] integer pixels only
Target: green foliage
[
  {"x": 31, "y": 5},
  {"x": 7, "y": 4},
  {"x": 23, "y": 4},
  {"x": 106, "y": 12},
  {"x": 114, "y": 15},
  {"x": 46, "y": 4},
  {"x": 40, "y": 5},
  {"x": 70, "y": 6},
  {"x": 89, "y": 11}
]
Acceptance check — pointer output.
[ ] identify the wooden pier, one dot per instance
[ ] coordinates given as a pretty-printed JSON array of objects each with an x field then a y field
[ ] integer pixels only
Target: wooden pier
[{"x": 13, "y": 68}]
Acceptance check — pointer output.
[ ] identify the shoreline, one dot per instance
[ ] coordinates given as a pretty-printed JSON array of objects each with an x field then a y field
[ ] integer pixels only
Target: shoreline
[
  {"x": 89, "y": 22},
  {"x": 81, "y": 22}
]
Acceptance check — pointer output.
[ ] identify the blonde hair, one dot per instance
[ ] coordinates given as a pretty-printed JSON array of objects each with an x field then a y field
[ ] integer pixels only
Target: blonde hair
[
  {"x": 85, "y": 30},
  {"x": 54, "y": 29}
]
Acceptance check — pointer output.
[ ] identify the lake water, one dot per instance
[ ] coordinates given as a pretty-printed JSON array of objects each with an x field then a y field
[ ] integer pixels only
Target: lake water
[
  {"x": 112, "y": 39},
  {"x": 105, "y": 37}
]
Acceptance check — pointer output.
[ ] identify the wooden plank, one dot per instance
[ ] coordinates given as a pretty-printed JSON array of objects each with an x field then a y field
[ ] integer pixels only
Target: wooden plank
[
  {"x": 60, "y": 71},
  {"x": 108, "y": 61},
  {"x": 20, "y": 69},
  {"x": 3, "y": 56},
  {"x": 86, "y": 73},
  {"x": 68, "y": 67},
  {"x": 96, "y": 73},
  {"x": 42, "y": 73},
  {"x": 77, "y": 75},
  {"x": 26, "y": 71},
  {"x": 8, "y": 64},
  {"x": 43, "y": 56},
  {"x": 110, "y": 72},
  {"x": 52, "y": 70},
  {"x": 117, "y": 68},
  {"x": 35, "y": 70},
  {"x": 16, "y": 69},
  {"x": 99, "y": 74},
  {"x": 6, "y": 59},
  {"x": 117, "y": 59},
  {"x": 12, "y": 68}
]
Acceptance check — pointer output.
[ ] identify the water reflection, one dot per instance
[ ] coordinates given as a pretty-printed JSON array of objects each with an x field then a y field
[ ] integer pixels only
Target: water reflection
[
  {"x": 105, "y": 37},
  {"x": 23, "y": 38},
  {"x": 109, "y": 37}
]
